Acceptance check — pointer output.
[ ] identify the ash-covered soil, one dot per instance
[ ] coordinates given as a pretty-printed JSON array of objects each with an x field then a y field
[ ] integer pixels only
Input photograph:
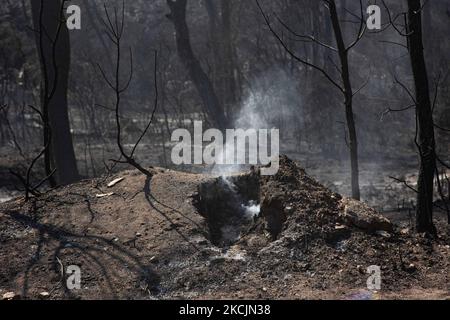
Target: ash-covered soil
[{"x": 180, "y": 235}]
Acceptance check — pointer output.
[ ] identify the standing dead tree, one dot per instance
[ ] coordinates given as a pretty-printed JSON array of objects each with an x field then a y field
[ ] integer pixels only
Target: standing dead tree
[
  {"x": 344, "y": 83},
  {"x": 203, "y": 84},
  {"x": 220, "y": 17},
  {"x": 411, "y": 29},
  {"x": 53, "y": 44},
  {"x": 425, "y": 139},
  {"x": 114, "y": 31}
]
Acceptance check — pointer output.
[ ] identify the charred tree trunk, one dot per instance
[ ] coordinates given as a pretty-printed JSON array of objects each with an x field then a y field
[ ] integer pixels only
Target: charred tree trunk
[
  {"x": 203, "y": 84},
  {"x": 53, "y": 44},
  {"x": 425, "y": 126},
  {"x": 230, "y": 86},
  {"x": 348, "y": 99},
  {"x": 221, "y": 39}
]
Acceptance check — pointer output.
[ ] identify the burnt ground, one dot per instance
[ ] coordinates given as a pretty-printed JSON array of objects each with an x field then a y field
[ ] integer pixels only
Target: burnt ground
[{"x": 182, "y": 235}]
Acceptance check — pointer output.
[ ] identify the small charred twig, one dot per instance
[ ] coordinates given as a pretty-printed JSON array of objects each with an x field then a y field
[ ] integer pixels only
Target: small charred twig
[
  {"x": 389, "y": 109},
  {"x": 27, "y": 180},
  {"x": 154, "y": 106},
  {"x": 394, "y": 43},
  {"x": 24, "y": 183},
  {"x": 360, "y": 88},
  {"x": 436, "y": 91},
  {"x": 305, "y": 37},
  {"x": 404, "y": 183},
  {"x": 44, "y": 180},
  {"x": 345, "y": 133},
  {"x": 392, "y": 21},
  {"x": 448, "y": 189},
  {"x": 441, "y": 128},
  {"x": 362, "y": 27},
  {"x": 405, "y": 88},
  {"x": 442, "y": 162},
  {"x": 4, "y": 110},
  {"x": 441, "y": 194}
]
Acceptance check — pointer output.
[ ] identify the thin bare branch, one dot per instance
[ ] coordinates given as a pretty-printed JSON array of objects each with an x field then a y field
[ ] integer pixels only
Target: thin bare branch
[{"x": 293, "y": 55}]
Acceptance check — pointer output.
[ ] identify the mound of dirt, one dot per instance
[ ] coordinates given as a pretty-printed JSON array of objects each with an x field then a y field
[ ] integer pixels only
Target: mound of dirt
[
  {"x": 180, "y": 235},
  {"x": 291, "y": 195}
]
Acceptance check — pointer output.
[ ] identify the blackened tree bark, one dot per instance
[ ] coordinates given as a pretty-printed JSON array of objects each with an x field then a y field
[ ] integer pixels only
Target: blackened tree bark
[
  {"x": 348, "y": 99},
  {"x": 53, "y": 44},
  {"x": 217, "y": 70},
  {"x": 212, "y": 105},
  {"x": 221, "y": 39},
  {"x": 230, "y": 86},
  {"x": 425, "y": 126}
]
